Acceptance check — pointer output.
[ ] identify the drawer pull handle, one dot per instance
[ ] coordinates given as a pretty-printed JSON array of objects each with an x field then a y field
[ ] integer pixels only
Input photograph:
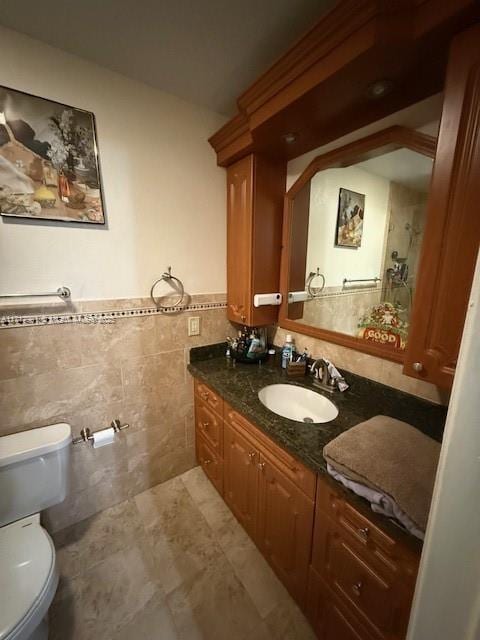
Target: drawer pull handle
[
  {"x": 205, "y": 395},
  {"x": 364, "y": 532},
  {"x": 252, "y": 455},
  {"x": 207, "y": 462},
  {"x": 205, "y": 425},
  {"x": 357, "y": 588},
  {"x": 261, "y": 466}
]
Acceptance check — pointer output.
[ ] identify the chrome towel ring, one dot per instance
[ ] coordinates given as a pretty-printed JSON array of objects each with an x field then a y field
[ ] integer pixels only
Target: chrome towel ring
[
  {"x": 176, "y": 284},
  {"x": 314, "y": 292}
]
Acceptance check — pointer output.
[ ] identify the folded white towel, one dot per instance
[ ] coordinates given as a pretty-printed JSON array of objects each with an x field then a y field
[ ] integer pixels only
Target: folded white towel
[{"x": 379, "y": 502}]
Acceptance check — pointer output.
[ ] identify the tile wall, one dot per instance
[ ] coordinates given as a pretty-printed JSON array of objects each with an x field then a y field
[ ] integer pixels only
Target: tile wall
[
  {"x": 363, "y": 364},
  {"x": 87, "y": 373},
  {"x": 133, "y": 368}
]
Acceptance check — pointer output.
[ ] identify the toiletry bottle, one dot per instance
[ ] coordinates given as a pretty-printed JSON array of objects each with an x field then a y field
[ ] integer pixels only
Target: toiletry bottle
[
  {"x": 287, "y": 351},
  {"x": 254, "y": 347}
]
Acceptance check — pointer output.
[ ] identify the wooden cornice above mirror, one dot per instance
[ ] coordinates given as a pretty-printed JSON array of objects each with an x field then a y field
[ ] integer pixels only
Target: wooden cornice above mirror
[
  {"x": 325, "y": 85},
  {"x": 393, "y": 145}
]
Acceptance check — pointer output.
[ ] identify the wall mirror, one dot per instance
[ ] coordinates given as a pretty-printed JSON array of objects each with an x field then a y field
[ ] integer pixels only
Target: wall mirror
[{"x": 353, "y": 230}]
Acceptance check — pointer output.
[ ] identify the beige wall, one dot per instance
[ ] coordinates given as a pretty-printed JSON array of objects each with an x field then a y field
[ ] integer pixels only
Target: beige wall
[
  {"x": 165, "y": 203},
  {"x": 337, "y": 263},
  {"x": 164, "y": 194},
  {"x": 89, "y": 374}
]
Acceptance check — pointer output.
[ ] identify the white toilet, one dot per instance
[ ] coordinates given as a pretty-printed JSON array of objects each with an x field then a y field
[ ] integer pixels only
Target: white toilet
[{"x": 33, "y": 476}]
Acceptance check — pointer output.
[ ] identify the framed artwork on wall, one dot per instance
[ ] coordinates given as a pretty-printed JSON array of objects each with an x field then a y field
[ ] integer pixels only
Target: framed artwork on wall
[
  {"x": 351, "y": 210},
  {"x": 49, "y": 166}
]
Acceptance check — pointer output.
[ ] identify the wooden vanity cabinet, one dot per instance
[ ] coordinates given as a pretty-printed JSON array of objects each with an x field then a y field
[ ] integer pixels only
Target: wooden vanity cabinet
[
  {"x": 352, "y": 574},
  {"x": 255, "y": 190},
  {"x": 285, "y": 523},
  {"x": 265, "y": 491},
  {"x": 209, "y": 433},
  {"x": 361, "y": 579},
  {"x": 241, "y": 477},
  {"x": 329, "y": 617}
]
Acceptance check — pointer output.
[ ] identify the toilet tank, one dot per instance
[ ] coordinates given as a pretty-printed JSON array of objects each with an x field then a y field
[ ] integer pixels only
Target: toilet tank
[{"x": 34, "y": 470}]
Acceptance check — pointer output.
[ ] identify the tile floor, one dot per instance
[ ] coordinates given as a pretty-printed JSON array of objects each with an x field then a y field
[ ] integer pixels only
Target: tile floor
[{"x": 170, "y": 564}]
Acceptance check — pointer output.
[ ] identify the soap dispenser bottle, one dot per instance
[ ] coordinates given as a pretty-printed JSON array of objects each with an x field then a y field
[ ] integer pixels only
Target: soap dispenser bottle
[{"x": 287, "y": 351}]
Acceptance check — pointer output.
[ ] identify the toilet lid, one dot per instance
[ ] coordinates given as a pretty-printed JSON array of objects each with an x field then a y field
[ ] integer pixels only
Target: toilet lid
[{"x": 26, "y": 564}]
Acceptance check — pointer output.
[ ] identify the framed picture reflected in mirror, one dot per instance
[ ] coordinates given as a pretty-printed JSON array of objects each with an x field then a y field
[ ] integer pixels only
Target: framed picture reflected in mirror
[{"x": 351, "y": 211}]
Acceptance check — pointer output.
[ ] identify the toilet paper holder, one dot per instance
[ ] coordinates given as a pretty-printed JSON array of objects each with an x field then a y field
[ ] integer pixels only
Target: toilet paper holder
[{"x": 87, "y": 436}]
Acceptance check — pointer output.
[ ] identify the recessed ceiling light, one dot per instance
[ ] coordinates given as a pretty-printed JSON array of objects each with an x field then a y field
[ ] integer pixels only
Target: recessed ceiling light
[
  {"x": 379, "y": 89},
  {"x": 290, "y": 138}
]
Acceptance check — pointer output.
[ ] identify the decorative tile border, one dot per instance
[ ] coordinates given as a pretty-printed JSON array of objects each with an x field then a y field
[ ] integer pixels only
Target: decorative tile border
[{"x": 100, "y": 317}]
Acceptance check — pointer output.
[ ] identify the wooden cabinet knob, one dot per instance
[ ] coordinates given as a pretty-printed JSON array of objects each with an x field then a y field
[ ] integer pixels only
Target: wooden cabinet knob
[
  {"x": 205, "y": 395},
  {"x": 417, "y": 366},
  {"x": 252, "y": 455},
  {"x": 205, "y": 425},
  {"x": 207, "y": 462},
  {"x": 357, "y": 588},
  {"x": 261, "y": 466}
]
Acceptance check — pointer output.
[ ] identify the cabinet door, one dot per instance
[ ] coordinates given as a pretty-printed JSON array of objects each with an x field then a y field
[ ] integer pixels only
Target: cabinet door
[
  {"x": 285, "y": 523},
  {"x": 452, "y": 232},
  {"x": 239, "y": 238},
  {"x": 241, "y": 478}
]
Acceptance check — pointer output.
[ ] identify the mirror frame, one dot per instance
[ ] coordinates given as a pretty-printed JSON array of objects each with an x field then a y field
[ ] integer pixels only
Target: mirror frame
[{"x": 371, "y": 146}]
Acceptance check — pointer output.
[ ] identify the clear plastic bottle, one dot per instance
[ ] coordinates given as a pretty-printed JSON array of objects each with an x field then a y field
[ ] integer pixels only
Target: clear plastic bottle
[{"x": 287, "y": 351}]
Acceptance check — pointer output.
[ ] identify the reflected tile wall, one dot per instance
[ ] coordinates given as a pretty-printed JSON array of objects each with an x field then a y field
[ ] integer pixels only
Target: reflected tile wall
[
  {"x": 363, "y": 364},
  {"x": 89, "y": 374},
  {"x": 341, "y": 312}
]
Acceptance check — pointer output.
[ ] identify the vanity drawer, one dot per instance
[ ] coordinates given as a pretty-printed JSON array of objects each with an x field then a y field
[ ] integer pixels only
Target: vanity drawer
[
  {"x": 209, "y": 425},
  {"x": 208, "y": 396},
  {"x": 294, "y": 470},
  {"x": 376, "y": 547},
  {"x": 329, "y": 615},
  {"x": 211, "y": 463},
  {"x": 362, "y": 589}
]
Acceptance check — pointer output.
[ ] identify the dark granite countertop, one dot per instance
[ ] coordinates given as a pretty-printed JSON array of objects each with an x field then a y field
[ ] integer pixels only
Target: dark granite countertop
[{"x": 239, "y": 386}]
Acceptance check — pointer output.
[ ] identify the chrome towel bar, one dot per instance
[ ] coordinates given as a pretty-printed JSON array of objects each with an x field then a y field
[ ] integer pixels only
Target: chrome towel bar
[
  {"x": 346, "y": 280},
  {"x": 63, "y": 293}
]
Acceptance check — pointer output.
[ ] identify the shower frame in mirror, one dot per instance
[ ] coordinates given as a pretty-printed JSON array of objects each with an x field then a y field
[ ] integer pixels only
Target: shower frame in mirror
[{"x": 374, "y": 145}]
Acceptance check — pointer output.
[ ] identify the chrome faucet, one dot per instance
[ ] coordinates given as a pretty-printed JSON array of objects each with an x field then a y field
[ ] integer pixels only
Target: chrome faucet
[
  {"x": 315, "y": 369},
  {"x": 324, "y": 380}
]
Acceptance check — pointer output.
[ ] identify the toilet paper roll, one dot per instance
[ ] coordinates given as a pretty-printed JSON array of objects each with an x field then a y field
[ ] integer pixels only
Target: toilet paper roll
[{"x": 103, "y": 437}]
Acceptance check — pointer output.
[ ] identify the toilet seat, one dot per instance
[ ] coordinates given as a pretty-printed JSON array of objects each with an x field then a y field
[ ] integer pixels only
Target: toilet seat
[{"x": 28, "y": 577}]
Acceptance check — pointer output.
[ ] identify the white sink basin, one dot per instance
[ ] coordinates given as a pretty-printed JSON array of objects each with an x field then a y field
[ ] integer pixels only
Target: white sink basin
[{"x": 297, "y": 403}]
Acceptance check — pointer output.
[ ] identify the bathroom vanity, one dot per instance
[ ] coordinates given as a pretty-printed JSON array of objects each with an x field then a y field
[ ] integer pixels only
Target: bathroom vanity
[{"x": 352, "y": 572}]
